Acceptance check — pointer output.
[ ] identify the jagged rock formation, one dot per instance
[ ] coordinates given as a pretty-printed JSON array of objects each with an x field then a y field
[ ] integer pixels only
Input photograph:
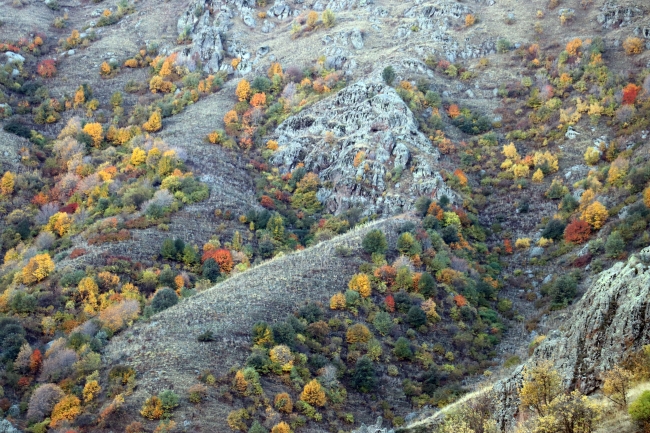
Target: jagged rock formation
[
  {"x": 366, "y": 117},
  {"x": 610, "y": 320},
  {"x": 436, "y": 21}
]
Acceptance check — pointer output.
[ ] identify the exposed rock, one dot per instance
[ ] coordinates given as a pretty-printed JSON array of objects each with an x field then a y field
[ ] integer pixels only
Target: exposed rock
[
  {"x": 374, "y": 428},
  {"x": 7, "y": 427},
  {"x": 536, "y": 252},
  {"x": 609, "y": 321},
  {"x": 613, "y": 15},
  {"x": 356, "y": 39},
  {"x": 365, "y": 117}
]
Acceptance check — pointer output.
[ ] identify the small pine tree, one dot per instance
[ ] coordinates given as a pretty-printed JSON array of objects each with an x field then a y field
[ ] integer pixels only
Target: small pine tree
[
  {"x": 402, "y": 349},
  {"x": 388, "y": 75},
  {"x": 364, "y": 377},
  {"x": 375, "y": 242}
]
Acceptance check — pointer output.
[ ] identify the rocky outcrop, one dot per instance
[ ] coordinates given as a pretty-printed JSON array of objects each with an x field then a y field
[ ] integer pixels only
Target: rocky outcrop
[
  {"x": 365, "y": 145},
  {"x": 609, "y": 321},
  {"x": 614, "y": 15},
  {"x": 437, "y": 21},
  {"x": 203, "y": 22}
]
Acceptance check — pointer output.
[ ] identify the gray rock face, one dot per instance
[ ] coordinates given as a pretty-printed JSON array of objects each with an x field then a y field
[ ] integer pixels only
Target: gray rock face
[
  {"x": 367, "y": 119},
  {"x": 613, "y": 15},
  {"x": 7, "y": 427},
  {"x": 206, "y": 42},
  {"x": 610, "y": 320},
  {"x": 356, "y": 39}
]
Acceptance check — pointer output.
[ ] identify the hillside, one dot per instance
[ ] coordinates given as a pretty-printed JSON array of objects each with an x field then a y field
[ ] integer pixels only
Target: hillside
[{"x": 301, "y": 215}]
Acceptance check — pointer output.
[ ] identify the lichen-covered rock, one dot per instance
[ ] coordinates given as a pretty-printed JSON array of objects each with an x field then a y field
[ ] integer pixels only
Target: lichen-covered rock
[
  {"x": 608, "y": 322},
  {"x": 365, "y": 145}
]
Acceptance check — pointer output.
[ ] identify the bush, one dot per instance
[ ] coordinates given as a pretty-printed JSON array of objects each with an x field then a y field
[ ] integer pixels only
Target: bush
[
  {"x": 358, "y": 333},
  {"x": 42, "y": 401},
  {"x": 66, "y": 410},
  {"x": 564, "y": 290},
  {"x": 364, "y": 377},
  {"x": 168, "y": 400},
  {"x": 211, "y": 270},
  {"x": 163, "y": 299},
  {"x": 639, "y": 410},
  {"x": 313, "y": 394},
  {"x": 615, "y": 245},
  {"x": 577, "y": 231},
  {"x": 383, "y": 323},
  {"x": 375, "y": 242},
  {"x": 554, "y": 230},
  {"x": 388, "y": 75},
  {"x": 633, "y": 45},
  {"x": 427, "y": 286},
  {"x": 416, "y": 317},
  {"x": 402, "y": 349}
]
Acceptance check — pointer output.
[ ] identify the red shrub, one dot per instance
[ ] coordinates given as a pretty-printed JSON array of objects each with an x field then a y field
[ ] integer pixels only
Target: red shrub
[
  {"x": 46, "y": 68},
  {"x": 387, "y": 274},
  {"x": 460, "y": 300},
  {"x": 267, "y": 202},
  {"x": 390, "y": 303},
  {"x": 35, "y": 360},
  {"x": 582, "y": 261},
  {"x": 577, "y": 231},
  {"x": 222, "y": 257},
  {"x": 629, "y": 94},
  {"x": 70, "y": 208},
  {"x": 507, "y": 245},
  {"x": 77, "y": 252}
]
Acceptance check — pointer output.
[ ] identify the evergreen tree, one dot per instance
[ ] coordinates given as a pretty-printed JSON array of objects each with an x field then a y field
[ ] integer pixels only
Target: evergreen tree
[{"x": 364, "y": 377}]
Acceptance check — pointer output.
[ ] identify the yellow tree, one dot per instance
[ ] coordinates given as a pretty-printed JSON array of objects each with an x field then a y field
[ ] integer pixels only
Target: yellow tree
[
  {"x": 275, "y": 69},
  {"x": 616, "y": 384},
  {"x": 313, "y": 394},
  {"x": 646, "y": 196},
  {"x": 88, "y": 291},
  {"x": 541, "y": 385},
  {"x": 139, "y": 156},
  {"x": 154, "y": 123},
  {"x": 59, "y": 223},
  {"x": 7, "y": 183},
  {"x": 337, "y": 302},
  {"x": 595, "y": 214},
  {"x": 66, "y": 410},
  {"x": 37, "y": 269},
  {"x": 91, "y": 390},
  {"x": 360, "y": 283},
  {"x": 79, "y": 97},
  {"x": 312, "y": 17},
  {"x": 95, "y": 131},
  {"x": 243, "y": 90}
]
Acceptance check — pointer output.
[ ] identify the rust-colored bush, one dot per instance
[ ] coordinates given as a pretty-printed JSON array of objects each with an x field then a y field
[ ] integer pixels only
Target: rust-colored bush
[
  {"x": 46, "y": 68},
  {"x": 577, "y": 231}
]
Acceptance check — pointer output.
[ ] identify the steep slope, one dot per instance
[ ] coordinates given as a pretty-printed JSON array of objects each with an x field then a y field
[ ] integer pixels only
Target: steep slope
[
  {"x": 165, "y": 352},
  {"x": 608, "y": 322}
]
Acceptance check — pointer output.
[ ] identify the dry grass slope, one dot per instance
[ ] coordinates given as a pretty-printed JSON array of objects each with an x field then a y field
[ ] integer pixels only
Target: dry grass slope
[{"x": 165, "y": 352}]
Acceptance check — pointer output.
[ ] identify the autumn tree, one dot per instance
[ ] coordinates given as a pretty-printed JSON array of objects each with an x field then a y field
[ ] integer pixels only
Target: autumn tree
[
  {"x": 633, "y": 45},
  {"x": 66, "y": 410},
  {"x": 337, "y": 302},
  {"x": 7, "y": 183},
  {"x": 577, "y": 231},
  {"x": 275, "y": 69},
  {"x": 541, "y": 385},
  {"x": 37, "y": 269},
  {"x": 313, "y": 393},
  {"x": 95, "y": 131},
  {"x": 152, "y": 408},
  {"x": 59, "y": 223},
  {"x": 328, "y": 18},
  {"x": 595, "y": 214},
  {"x": 283, "y": 402},
  {"x": 89, "y": 292},
  {"x": 258, "y": 100},
  {"x": 616, "y": 384},
  {"x": 91, "y": 390},
  {"x": 312, "y": 17},
  {"x": 243, "y": 90},
  {"x": 358, "y": 333},
  {"x": 154, "y": 124},
  {"x": 281, "y": 427},
  {"x": 138, "y": 156},
  {"x": 360, "y": 283}
]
